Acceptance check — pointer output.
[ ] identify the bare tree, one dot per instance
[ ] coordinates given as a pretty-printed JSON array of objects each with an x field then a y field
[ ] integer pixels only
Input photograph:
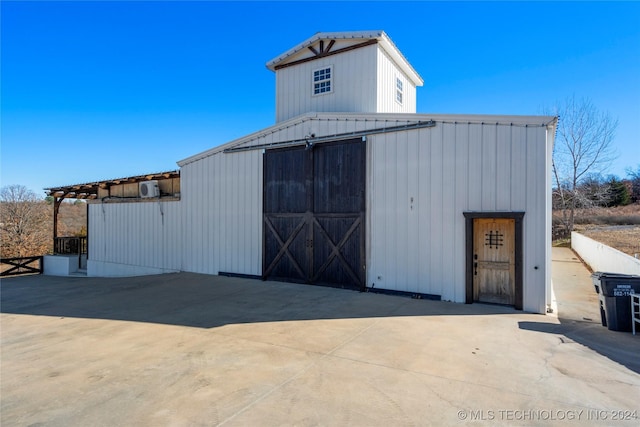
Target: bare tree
[
  {"x": 24, "y": 223},
  {"x": 594, "y": 191},
  {"x": 583, "y": 146},
  {"x": 634, "y": 177}
]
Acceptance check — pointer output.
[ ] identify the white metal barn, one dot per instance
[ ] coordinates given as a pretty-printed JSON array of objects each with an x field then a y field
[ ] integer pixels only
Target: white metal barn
[{"x": 352, "y": 188}]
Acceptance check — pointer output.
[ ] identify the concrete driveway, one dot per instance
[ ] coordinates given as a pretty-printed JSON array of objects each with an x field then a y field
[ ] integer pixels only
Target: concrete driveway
[{"x": 187, "y": 349}]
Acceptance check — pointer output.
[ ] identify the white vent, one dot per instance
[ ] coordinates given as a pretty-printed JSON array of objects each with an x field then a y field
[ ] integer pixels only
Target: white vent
[{"x": 149, "y": 189}]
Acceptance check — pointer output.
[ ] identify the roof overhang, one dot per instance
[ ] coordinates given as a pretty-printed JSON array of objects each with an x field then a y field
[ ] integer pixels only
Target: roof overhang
[
  {"x": 89, "y": 190},
  {"x": 379, "y": 37}
]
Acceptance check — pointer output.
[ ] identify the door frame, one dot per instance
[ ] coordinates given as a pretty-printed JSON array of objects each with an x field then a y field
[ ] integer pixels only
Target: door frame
[
  {"x": 518, "y": 248},
  {"x": 310, "y": 221}
]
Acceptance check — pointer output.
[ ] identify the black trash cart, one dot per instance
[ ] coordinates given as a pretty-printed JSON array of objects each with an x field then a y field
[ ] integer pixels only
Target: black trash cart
[{"x": 615, "y": 301}]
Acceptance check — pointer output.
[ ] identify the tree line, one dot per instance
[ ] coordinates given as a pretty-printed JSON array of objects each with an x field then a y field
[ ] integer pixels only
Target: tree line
[
  {"x": 582, "y": 154},
  {"x": 598, "y": 191}
]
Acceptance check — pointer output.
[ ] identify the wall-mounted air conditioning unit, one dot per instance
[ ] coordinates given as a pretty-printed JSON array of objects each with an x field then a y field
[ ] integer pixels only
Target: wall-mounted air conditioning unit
[{"x": 149, "y": 189}]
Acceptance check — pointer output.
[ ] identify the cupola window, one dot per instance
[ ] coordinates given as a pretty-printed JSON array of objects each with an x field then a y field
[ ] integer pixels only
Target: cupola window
[
  {"x": 322, "y": 80},
  {"x": 399, "y": 90}
]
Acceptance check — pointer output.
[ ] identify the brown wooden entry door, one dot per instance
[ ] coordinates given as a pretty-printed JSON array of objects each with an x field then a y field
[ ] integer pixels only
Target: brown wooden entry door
[
  {"x": 494, "y": 260},
  {"x": 314, "y": 205}
]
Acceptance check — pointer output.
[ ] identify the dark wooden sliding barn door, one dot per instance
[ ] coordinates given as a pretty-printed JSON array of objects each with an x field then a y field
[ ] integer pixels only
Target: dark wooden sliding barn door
[{"x": 314, "y": 210}]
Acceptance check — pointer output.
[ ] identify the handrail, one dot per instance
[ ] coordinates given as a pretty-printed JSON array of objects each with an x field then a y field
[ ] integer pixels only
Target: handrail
[{"x": 70, "y": 245}]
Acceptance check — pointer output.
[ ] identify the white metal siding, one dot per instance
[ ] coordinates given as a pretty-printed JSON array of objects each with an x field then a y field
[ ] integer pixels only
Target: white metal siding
[
  {"x": 354, "y": 85},
  {"x": 364, "y": 80},
  {"x": 388, "y": 71},
  {"x": 536, "y": 239},
  {"x": 422, "y": 181},
  {"x": 136, "y": 234},
  {"x": 419, "y": 184},
  {"x": 222, "y": 202}
]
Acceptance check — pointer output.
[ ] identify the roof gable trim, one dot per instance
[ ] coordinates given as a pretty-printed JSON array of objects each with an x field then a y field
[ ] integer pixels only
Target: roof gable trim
[
  {"x": 402, "y": 119},
  {"x": 325, "y": 52},
  {"x": 256, "y": 135},
  {"x": 369, "y": 37}
]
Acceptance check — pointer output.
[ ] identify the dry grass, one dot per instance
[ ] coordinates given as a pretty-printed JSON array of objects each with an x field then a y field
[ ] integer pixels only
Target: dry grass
[
  {"x": 617, "y": 227},
  {"x": 618, "y": 215},
  {"x": 623, "y": 238}
]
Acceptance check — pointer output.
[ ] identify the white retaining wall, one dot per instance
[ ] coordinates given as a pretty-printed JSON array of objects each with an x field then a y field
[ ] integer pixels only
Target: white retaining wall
[
  {"x": 60, "y": 265},
  {"x": 601, "y": 257}
]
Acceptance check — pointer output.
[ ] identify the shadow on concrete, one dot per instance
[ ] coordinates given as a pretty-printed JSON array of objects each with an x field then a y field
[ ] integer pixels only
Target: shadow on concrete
[
  {"x": 578, "y": 309},
  {"x": 206, "y": 301},
  {"x": 620, "y": 347}
]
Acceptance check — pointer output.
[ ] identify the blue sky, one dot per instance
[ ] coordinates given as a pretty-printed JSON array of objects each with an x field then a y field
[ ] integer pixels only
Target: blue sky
[{"x": 99, "y": 90}]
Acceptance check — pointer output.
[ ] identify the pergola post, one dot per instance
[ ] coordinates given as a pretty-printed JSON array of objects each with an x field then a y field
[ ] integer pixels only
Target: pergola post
[{"x": 57, "y": 200}]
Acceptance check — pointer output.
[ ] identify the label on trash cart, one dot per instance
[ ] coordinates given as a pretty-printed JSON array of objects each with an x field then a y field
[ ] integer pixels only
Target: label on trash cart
[{"x": 622, "y": 290}]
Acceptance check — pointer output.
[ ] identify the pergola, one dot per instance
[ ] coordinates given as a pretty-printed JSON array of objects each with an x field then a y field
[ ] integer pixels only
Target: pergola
[{"x": 89, "y": 191}]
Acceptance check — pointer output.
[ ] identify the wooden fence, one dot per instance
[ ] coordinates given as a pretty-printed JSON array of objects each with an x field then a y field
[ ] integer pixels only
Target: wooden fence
[{"x": 21, "y": 265}]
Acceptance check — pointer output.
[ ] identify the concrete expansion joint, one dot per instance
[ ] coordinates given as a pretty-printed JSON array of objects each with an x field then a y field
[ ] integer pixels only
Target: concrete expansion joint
[
  {"x": 347, "y": 341},
  {"x": 298, "y": 374},
  {"x": 268, "y": 393}
]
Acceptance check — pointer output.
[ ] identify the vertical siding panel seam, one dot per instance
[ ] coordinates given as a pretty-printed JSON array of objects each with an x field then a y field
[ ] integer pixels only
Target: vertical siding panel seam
[
  {"x": 205, "y": 246},
  {"x": 372, "y": 217},
  {"x": 429, "y": 228},
  {"x": 527, "y": 223},
  {"x": 255, "y": 209},
  {"x": 191, "y": 223},
  {"x": 195, "y": 224},
  {"x": 123, "y": 226},
  {"x": 482, "y": 165},
  {"x": 441, "y": 219},
  {"x": 403, "y": 136},
  {"x": 181, "y": 230},
  {"x": 417, "y": 213},
  {"x": 455, "y": 243},
  {"x": 389, "y": 237},
  {"x": 470, "y": 205},
  {"x": 241, "y": 215},
  {"x": 511, "y": 171},
  {"x": 250, "y": 208},
  {"x": 206, "y": 213},
  {"x": 219, "y": 240},
  {"x": 495, "y": 156},
  {"x": 257, "y": 267},
  {"x": 238, "y": 179},
  {"x": 391, "y": 217}
]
